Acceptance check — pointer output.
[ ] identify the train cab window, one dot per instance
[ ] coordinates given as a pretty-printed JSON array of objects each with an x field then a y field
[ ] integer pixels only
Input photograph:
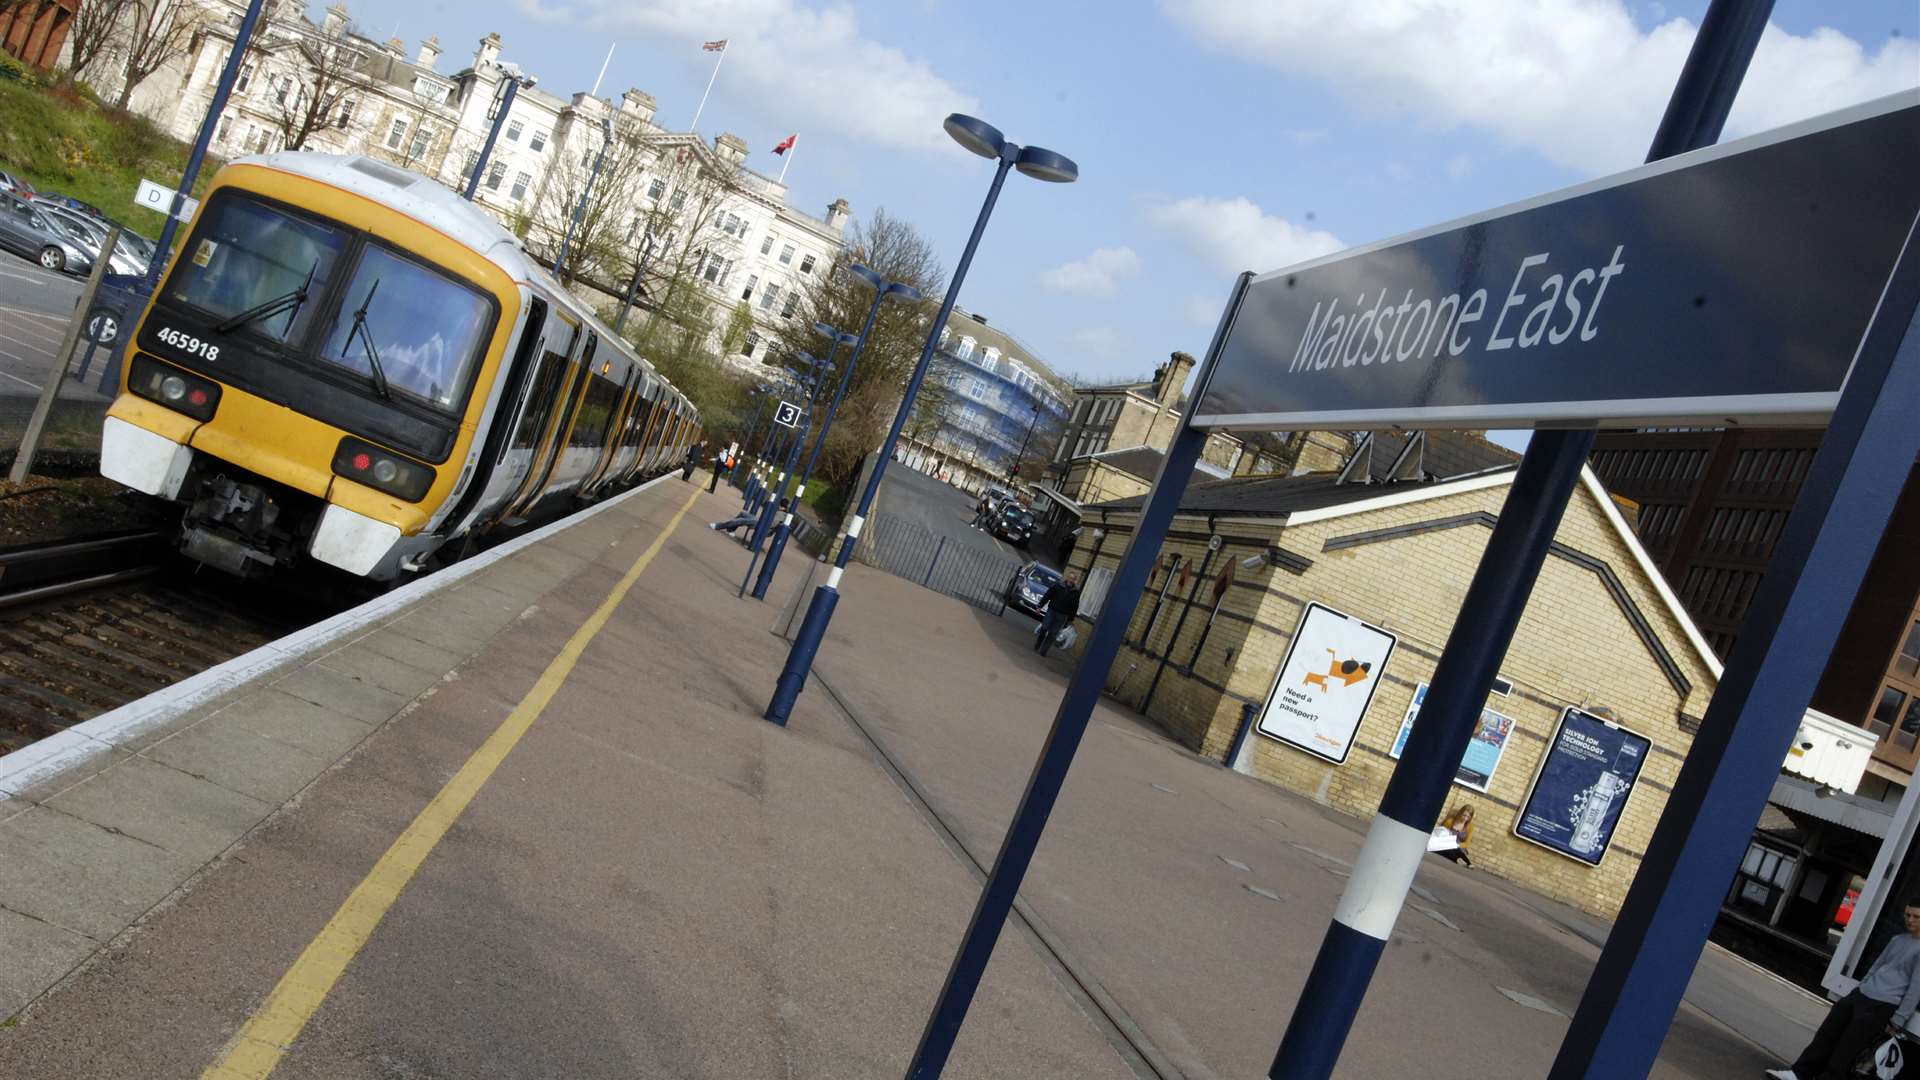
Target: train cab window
[
  {"x": 244, "y": 255},
  {"x": 409, "y": 329}
]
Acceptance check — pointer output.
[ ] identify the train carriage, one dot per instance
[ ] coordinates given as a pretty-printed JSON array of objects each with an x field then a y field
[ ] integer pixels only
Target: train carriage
[{"x": 347, "y": 362}]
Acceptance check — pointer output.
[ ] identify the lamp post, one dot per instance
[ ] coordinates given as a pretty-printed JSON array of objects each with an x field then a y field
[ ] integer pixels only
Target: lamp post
[
  {"x": 646, "y": 254},
  {"x": 783, "y": 483},
  {"x": 221, "y": 91},
  {"x": 514, "y": 81},
  {"x": 760, "y": 393},
  {"x": 882, "y": 290},
  {"x": 1021, "y": 458},
  {"x": 580, "y": 208},
  {"x": 773, "y": 446},
  {"x": 984, "y": 139}
]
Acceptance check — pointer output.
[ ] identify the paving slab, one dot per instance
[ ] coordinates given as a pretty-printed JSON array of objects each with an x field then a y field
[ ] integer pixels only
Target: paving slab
[
  {"x": 363, "y": 661},
  {"x": 80, "y": 876},
  {"x": 38, "y": 955},
  {"x": 163, "y": 806},
  {"x": 223, "y": 749},
  {"x": 345, "y": 694}
]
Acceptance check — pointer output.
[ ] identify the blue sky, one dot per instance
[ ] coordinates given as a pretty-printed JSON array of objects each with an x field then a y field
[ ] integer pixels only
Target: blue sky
[{"x": 1212, "y": 135}]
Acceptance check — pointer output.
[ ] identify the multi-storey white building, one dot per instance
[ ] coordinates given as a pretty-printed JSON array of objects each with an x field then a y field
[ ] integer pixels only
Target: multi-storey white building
[{"x": 686, "y": 202}]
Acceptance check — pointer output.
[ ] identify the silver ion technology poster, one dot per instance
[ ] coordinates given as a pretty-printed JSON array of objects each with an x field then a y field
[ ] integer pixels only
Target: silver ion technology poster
[{"x": 1326, "y": 682}]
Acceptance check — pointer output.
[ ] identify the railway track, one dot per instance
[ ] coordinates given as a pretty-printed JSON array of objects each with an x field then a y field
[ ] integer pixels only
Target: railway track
[{"x": 89, "y": 625}]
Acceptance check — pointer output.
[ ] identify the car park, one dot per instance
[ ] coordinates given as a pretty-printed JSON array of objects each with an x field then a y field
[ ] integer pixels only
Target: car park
[
  {"x": 27, "y": 229},
  {"x": 1028, "y": 590},
  {"x": 130, "y": 252}
]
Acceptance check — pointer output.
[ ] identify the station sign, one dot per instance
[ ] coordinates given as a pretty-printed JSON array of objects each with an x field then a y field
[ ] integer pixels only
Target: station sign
[
  {"x": 787, "y": 414},
  {"x": 1591, "y": 767},
  {"x": 1326, "y": 682},
  {"x": 159, "y": 199},
  {"x": 1730, "y": 285}
]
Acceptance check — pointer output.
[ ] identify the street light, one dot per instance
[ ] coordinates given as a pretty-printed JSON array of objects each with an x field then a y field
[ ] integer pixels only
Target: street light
[
  {"x": 984, "y": 139},
  {"x": 760, "y": 392},
  {"x": 1021, "y": 458},
  {"x": 646, "y": 253},
  {"x": 513, "y": 81},
  {"x": 882, "y": 290},
  {"x": 812, "y": 385},
  {"x": 580, "y": 208}
]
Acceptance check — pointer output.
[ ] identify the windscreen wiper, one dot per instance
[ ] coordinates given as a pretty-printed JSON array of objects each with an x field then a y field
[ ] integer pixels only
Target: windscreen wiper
[
  {"x": 366, "y": 342},
  {"x": 290, "y": 301}
]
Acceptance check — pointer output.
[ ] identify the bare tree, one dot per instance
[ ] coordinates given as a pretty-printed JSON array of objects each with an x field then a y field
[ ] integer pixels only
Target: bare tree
[
  {"x": 92, "y": 31},
  {"x": 310, "y": 83},
  {"x": 894, "y": 249},
  {"x": 158, "y": 32},
  {"x": 596, "y": 176}
]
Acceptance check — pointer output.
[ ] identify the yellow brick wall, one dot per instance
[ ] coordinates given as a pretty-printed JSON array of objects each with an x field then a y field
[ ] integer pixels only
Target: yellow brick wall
[{"x": 1574, "y": 646}]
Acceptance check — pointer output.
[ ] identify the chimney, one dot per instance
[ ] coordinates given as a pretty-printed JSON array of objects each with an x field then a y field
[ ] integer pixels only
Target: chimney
[
  {"x": 637, "y": 104},
  {"x": 1171, "y": 377},
  {"x": 977, "y": 317},
  {"x": 397, "y": 47},
  {"x": 429, "y": 53},
  {"x": 837, "y": 215},
  {"x": 730, "y": 148},
  {"x": 336, "y": 21},
  {"x": 489, "y": 51}
]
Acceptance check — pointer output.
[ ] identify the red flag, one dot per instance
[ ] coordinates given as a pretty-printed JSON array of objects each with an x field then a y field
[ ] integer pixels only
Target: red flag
[
  {"x": 786, "y": 144},
  {"x": 716, "y": 46}
]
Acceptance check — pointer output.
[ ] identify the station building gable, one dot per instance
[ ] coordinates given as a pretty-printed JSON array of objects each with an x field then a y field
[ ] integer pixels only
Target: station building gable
[{"x": 1602, "y": 631}]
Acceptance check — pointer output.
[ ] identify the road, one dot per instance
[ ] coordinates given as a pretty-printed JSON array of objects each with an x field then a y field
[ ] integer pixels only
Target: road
[
  {"x": 35, "y": 306},
  {"x": 943, "y": 509}
]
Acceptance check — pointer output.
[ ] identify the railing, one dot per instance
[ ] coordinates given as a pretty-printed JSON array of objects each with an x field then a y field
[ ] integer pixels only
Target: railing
[{"x": 910, "y": 550}]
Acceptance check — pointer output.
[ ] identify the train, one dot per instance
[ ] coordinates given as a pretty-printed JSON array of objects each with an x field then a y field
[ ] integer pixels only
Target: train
[{"x": 347, "y": 363}]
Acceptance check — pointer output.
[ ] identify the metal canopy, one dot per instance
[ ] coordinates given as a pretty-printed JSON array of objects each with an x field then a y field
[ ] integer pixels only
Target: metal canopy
[{"x": 1730, "y": 285}]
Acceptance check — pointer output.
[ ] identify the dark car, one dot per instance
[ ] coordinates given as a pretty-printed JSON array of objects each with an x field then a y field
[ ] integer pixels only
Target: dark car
[
  {"x": 1028, "y": 589},
  {"x": 1013, "y": 523}
]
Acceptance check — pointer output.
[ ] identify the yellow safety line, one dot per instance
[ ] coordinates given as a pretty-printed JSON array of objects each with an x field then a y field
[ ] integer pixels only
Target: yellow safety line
[{"x": 258, "y": 1046}]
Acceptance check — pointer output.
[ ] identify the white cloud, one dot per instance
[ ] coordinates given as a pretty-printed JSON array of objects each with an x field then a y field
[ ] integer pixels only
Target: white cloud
[
  {"x": 1096, "y": 275},
  {"x": 1203, "y": 310},
  {"x": 1235, "y": 234},
  {"x": 1575, "y": 80},
  {"x": 814, "y": 66}
]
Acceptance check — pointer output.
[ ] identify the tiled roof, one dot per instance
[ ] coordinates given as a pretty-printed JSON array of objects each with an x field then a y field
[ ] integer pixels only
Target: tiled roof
[{"x": 1448, "y": 453}]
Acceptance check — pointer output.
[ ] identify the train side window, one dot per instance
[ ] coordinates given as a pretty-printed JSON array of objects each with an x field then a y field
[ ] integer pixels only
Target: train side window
[
  {"x": 522, "y": 369},
  {"x": 546, "y": 383}
]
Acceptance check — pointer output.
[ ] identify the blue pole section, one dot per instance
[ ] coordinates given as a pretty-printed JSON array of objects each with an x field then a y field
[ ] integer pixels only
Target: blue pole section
[
  {"x": 789, "y": 457},
  {"x": 1069, "y": 724},
  {"x": 785, "y": 529},
  {"x": 1756, "y": 711},
  {"x": 221, "y": 91},
  {"x": 813, "y": 628},
  {"x": 493, "y": 133},
  {"x": 1364, "y": 918}
]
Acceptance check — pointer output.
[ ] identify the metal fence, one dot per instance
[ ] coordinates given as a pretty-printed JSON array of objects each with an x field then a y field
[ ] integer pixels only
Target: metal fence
[{"x": 910, "y": 550}]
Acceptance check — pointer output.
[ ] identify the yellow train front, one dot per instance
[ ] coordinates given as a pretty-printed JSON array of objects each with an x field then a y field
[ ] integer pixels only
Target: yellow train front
[{"x": 349, "y": 363}]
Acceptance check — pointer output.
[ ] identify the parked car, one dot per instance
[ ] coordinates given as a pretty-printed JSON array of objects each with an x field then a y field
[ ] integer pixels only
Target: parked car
[
  {"x": 15, "y": 185},
  {"x": 92, "y": 234},
  {"x": 1012, "y": 523},
  {"x": 28, "y": 230},
  {"x": 1028, "y": 589},
  {"x": 68, "y": 202}
]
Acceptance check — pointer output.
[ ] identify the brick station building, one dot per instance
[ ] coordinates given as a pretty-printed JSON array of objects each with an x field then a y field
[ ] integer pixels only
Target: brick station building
[{"x": 1602, "y": 631}]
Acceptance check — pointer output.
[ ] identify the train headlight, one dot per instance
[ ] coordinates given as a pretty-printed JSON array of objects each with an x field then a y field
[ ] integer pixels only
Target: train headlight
[
  {"x": 178, "y": 390},
  {"x": 383, "y": 470}
]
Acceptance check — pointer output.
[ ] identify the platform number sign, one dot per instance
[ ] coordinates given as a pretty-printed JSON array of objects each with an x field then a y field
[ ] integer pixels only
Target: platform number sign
[{"x": 787, "y": 415}]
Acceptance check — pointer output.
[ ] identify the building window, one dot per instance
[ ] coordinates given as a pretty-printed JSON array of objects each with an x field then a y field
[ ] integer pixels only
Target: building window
[
  {"x": 1887, "y": 712},
  {"x": 514, "y": 128},
  {"x": 766, "y": 245},
  {"x": 656, "y": 189},
  {"x": 285, "y": 88},
  {"x": 346, "y": 114},
  {"x": 496, "y": 173},
  {"x": 786, "y": 255},
  {"x": 246, "y": 79},
  {"x": 397, "y": 134},
  {"x": 714, "y": 265},
  {"x": 678, "y": 202},
  {"x": 538, "y": 142},
  {"x": 1911, "y": 650},
  {"x": 751, "y": 343},
  {"x": 422, "y": 136},
  {"x": 793, "y": 300},
  {"x": 752, "y": 280},
  {"x": 769, "y": 298},
  {"x": 806, "y": 264},
  {"x": 225, "y": 123},
  {"x": 520, "y": 182}
]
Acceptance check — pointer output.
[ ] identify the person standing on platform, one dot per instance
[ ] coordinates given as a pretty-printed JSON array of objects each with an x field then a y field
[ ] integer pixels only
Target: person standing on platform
[
  {"x": 722, "y": 460},
  {"x": 693, "y": 459},
  {"x": 1879, "y": 1007},
  {"x": 1062, "y": 603}
]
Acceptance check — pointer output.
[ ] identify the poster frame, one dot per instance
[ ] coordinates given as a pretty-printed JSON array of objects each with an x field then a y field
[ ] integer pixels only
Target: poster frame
[
  {"x": 1539, "y": 770},
  {"x": 1299, "y": 628}
]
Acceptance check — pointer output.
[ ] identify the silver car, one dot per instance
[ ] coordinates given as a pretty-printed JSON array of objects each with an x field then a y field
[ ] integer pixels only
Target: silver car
[
  {"x": 29, "y": 230},
  {"x": 91, "y": 233}
]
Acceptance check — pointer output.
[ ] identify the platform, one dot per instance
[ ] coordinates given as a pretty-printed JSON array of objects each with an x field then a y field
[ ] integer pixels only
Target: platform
[{"x": 507, "y": 826}]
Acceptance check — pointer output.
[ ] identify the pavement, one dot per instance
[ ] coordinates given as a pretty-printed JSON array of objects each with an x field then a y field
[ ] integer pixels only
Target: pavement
[{"x": 532, "y": 825}]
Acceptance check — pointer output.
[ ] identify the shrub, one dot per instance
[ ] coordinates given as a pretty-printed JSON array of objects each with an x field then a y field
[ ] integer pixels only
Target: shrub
[{"x": 13, "y": 70}]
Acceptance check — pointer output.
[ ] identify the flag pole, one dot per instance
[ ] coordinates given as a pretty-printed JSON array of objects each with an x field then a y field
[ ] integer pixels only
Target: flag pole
[
  {"x": 595, "y": 92},
  {"x": 787, "y": 158},
  {"x": 695, "y": 126}
]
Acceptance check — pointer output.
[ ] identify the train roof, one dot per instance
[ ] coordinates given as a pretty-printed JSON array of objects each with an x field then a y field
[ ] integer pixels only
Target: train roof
[{"x": 437, "y": 206}]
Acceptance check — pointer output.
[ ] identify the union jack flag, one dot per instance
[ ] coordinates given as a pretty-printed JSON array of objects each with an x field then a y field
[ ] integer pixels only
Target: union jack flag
[{"x": 716, "y": 46}]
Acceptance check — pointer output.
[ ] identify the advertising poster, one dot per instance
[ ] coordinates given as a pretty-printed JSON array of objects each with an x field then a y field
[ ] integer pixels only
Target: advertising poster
[
  {"x": 1326, "y": 682},
  {"x": 1590, "y": 769},
  {"x": 1483, "y": 753}
]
